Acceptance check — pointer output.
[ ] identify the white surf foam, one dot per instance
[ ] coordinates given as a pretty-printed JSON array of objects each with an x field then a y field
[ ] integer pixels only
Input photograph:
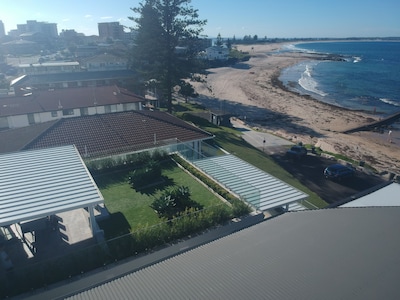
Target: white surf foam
[
  {"x": 308, "y": 83},
  {"x": 388, "y": 101}
]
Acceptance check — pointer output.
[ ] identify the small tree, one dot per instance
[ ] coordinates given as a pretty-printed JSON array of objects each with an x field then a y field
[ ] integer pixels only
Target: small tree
[
  {"x": 219, "y": 41},
  {"x": 187, "y": 90}
]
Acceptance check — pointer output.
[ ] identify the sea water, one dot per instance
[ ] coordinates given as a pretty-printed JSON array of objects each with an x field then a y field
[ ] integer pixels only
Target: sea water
[{"x": 366, "y": 77}]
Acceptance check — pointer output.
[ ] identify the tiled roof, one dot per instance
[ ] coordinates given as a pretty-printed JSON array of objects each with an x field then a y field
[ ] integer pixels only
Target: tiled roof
[
  {"x": 42, "y": 101},
  {"x": 15, "y": 139},
  {"x": 103, "y": 134}
]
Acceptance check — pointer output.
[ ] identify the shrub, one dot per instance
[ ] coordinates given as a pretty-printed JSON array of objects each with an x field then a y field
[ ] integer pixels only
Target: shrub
[
  {"x": 142, "y": 176},
  {"x": 174, "y": 201}
]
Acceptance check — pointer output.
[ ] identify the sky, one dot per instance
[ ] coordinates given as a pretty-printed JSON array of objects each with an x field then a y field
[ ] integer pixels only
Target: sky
[{"x": 264, "y": 18}]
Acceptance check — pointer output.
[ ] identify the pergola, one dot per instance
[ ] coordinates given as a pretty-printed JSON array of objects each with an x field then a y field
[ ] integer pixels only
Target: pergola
[{"x": 39, "y": 183}]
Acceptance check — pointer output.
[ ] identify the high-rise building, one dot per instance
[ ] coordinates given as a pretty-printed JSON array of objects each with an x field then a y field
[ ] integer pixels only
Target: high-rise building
[
  {"x": 49, "y": 30},
  {"x": 2, "y": 30},
  {"x": 111, "y": 30}
]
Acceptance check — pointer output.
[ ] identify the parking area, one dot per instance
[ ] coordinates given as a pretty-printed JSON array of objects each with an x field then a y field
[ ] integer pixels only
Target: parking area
[{"x": 309, "y": 171}]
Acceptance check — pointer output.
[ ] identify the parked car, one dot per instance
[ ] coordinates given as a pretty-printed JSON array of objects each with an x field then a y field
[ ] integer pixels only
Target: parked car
[
  {"x": 338, "y": 172},
  {"x": 296, "y": 152}
]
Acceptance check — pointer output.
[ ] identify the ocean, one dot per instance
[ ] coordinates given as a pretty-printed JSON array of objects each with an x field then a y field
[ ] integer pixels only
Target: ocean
[{"x": 367, "y": 77}]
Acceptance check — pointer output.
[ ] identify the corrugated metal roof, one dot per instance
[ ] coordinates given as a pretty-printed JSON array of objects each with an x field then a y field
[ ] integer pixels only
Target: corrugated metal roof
[
  {"x": 319, "y": 254},
  {"x": 255, "y": 186},
  {"x": 386, "y": 196},
  {"x": 39, "y": 183}
]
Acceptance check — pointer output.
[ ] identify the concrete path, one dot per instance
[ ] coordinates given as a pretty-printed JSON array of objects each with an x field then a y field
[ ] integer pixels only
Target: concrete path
[{"x": 264, "y": 141}]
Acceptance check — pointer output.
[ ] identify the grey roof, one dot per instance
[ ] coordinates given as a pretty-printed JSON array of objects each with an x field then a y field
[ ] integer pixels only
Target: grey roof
[
  {"x": 344, "y": 253},
  {"x": 39, "y": 183},
  {"x": 258, "y": 188},
  {"x": 37, "y": 79},
  {"x": 386, "y": 196}
]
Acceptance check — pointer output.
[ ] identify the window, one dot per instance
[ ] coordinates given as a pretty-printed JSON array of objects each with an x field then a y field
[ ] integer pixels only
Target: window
[
  {"x": 68, "y": 112},
  {"x": 3, "y": 122},
  {"x": 54, "y": 114},
  {"x": 84, "y": 111},
  {"x": 31, "y": 119},
  {"x": 110, "y": 108}
]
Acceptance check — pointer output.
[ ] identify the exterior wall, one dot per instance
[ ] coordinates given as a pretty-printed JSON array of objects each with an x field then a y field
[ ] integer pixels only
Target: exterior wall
[
  {"x": 18, "y": 121},
  {"x": 217, "y": 53},
  {"x": 35, "y": 118},
  {"x": 49, "y": 68}
]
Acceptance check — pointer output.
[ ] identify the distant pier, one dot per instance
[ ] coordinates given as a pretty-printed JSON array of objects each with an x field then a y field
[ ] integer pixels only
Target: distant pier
[{"x": 377, "y": 124}]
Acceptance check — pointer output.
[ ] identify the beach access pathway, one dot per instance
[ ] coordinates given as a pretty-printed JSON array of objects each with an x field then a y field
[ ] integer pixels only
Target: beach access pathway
[{"x": 264, "y": 141}]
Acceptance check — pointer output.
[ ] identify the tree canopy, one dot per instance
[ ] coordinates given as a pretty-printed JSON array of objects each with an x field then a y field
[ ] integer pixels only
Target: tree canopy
[{"x": 165, "y": 46}]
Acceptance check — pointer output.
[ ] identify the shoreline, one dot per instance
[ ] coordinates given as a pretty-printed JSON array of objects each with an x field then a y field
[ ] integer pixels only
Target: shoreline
[{"x": 296, "y": 117}]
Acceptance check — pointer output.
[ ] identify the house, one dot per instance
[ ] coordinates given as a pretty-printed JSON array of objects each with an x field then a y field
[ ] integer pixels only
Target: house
[
  {"x": 217, "y": 53},
  {"x": 20, "y": 47},
  {"x": 72, "y": 79},
  {"x": 113, "y": 134},
  {"x": 49, "y": 68},
  {"x": 338, "y": 253},
  {"x": 105, "y": 62},
  {"x": 39, "y": 106}
]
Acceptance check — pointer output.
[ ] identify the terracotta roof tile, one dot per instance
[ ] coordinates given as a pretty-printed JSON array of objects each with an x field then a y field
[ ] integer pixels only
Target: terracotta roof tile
[{"x": 115, "y": 133}]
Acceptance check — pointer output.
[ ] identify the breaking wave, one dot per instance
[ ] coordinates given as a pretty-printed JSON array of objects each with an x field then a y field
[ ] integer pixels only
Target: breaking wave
[
  {"x": 388, "y": 101},
  {"x": 307, "y": 82}
]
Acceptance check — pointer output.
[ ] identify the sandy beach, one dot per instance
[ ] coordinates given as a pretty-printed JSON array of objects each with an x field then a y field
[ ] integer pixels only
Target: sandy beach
[{"x": 295, "y": 117}]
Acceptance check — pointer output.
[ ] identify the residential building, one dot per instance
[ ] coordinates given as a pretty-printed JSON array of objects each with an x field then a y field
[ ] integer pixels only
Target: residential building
[
  {"x": 105, "y": 62},
  {"x": 111, "y": 30},
  {"x": 49, "y": 30},
  {"x": 72, "y": 79},
  {"x": 2, "y": 30},
  {"x": 20, "y": 47},
  {"x": 217, "y": 53},
  {"x": 338, "y": 253},
  {"x": 49, "y": 68},
  {"x": 39, "y": 106}
]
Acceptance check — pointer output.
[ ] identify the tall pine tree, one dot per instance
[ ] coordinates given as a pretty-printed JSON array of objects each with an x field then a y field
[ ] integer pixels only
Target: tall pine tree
[{"x": 165, "y": 47}]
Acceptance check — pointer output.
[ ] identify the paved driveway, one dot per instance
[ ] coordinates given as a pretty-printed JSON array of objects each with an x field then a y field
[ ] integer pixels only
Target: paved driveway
[{"x": 309, "y": 170}]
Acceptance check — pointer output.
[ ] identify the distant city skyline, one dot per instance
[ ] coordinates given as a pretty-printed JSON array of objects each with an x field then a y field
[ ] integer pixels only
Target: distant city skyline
[{"x": 273, "y": 19}]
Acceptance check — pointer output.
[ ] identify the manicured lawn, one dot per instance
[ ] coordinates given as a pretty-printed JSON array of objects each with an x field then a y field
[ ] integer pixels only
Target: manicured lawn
[{"x": 130, "y": 209}]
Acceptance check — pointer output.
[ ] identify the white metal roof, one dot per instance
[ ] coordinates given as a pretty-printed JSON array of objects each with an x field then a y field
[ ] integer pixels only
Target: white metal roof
[
  {"x": 386, "y": 196},
  {"x": 39, "y": 183},
  {"x": 255, "y": 186}
]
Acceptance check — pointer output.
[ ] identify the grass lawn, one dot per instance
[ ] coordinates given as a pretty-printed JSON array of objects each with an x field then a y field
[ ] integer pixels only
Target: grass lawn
[
  {"x": 231, "y": 140},
  {"x": 130, "y": 209}
]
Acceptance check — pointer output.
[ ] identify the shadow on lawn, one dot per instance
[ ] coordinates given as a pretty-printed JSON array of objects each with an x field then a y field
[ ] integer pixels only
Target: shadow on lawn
[
  {"x": 161, "y": 184},
  {"x": 114, "y": 226}
]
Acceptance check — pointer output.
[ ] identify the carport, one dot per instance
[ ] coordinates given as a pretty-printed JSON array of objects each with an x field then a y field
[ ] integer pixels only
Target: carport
[
  {"x": 38, "y": 184},
  {"x": 258, "y": 188}
]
